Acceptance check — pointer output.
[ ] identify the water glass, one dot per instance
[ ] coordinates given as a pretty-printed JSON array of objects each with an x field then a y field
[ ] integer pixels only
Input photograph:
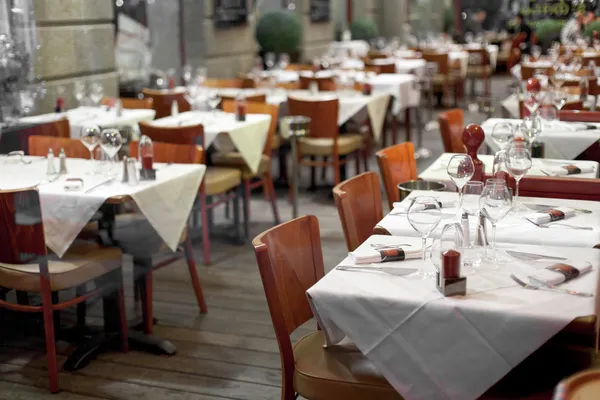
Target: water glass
[
  {"x": 97, "y": 93},
  {"x": 460, "y": 169},
  {"x": 110, "y": 143},
  {"x": 495, "y": 203},
  {"x": 502, "y": 133},
  {"x": 518, "y": 162},
  {"x": 531, "y": 128},
  {"x": 424, "y": 215},
  {"x": 90, "y": 137},
  {"x": 79, "y": 92},
  {"x": 470, "y": 197}
]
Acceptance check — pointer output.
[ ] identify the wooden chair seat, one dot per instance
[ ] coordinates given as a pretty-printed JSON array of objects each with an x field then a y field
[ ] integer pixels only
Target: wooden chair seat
[
  {"x": 479, "y": 71},
  {"x": 442, "y": 80},
  {"x": 83, "y": 262},
  {"x": 220, "y": 180},
  {"x": 584, "y": 385},
  {"x": 235, "y": 160},
  {"x": 336, "y": 372},
  {"x": 276, "y": 143},
  {"x": 315, "y": 146}
]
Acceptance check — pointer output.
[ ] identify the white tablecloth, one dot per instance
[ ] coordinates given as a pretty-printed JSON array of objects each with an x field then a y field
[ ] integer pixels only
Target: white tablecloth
[
  {"x": 403, "y": 66},
  {"x": 165, "y": 202},
  {"x": 351, "y": 105},
  {"x": 437, "y": 170},
  {"x": 358, "y": 47},
  {"x": 247, "y": 137},
  {"x": 510, "y": 105},
  {"x": 431, "y": 347},
  {"x": 492, "y": 51},
  {"x": 401, "y": 86},
  {"x": 561, "y": 141},
  {"x": 78, "y": 117},
  {"x": 514, "y": 228}
]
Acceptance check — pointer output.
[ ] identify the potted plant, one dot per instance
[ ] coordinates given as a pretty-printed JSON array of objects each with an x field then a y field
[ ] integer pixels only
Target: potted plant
[
  {"x": 363, "y": 29},
  {"x": 590, "y": 28},
  {"x": 548, "y": 31},
  {"x": 279, "y": 32}
]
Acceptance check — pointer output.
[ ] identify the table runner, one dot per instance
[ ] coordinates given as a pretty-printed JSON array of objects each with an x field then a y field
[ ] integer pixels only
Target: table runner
[
  {"x": 248, "y": 137},
  {"x": 165, "y": 202},
  {"x": 431, "y": 347}
]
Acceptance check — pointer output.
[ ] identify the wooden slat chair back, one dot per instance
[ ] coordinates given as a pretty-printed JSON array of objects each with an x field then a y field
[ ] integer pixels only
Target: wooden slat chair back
[
  {"x": 452, "y": 124},
  {"x": 397, "y": 164},
  {"x": 162, "y": 101}
]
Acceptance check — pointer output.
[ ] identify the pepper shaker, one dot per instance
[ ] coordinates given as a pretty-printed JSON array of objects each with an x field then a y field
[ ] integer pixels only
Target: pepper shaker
[
  {"x": 482, "y": 232},
  {"x": 125, "y": 171},
  {"x": 62, "y": 162},
  {"x": 132, "y": 172},
  {"x": 50, "y": 169},
  {"x": 464, "y": 223}
]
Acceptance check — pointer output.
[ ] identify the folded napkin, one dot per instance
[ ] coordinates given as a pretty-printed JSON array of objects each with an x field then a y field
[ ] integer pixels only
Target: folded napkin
[
  {"x": 364, "y": 255},
  {"x": 400, "y": 207},
  {"x": 571, "y": 169},
  {"x": 559, "y": 273},
  {"x": 550, "y": 215}
]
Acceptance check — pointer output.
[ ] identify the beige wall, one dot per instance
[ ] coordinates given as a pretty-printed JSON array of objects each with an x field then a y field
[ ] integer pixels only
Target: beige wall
[
  {"x": 316, "y": 37},
  {"x": 77, "y": 43}
]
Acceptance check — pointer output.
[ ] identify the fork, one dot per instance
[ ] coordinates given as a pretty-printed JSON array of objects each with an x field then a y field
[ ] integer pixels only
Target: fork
[
  {"x": 548, "y": 225},
  {"x": 547, "y": 287}
]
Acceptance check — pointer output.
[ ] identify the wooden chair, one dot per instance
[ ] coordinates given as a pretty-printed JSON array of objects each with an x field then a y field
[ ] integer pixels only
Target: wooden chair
[
  {"x": 445, "y": 79},
  {"x": 39, "y": 145},
  {"x": 358, "y": 201},
  {"x": 382, "y": 67},
  {"x": 25, "y": 266},
  {"x": 264, "y": 177},
  {"x": 255, "y": 98},
  {"x": 480, "y": 68},
  {"x": 324, "y": 139},
  {"x": 451, "y": 126},
  {"x": 325, "y": 84},
  {"x": 397, "y": 164},
  {"x": 130, "y": 103},
  {"x": 289, "y": 85},
  {"x": 584, "y": 385},
  {"x": 580, "y": 116},
  {"x": 562, "y": 187},
  {"x": 224, "y": 83},
  {"x": 162, "y": 101},
  {"x": 300, "y": 67},
  {"x": 290, "y": 261},
  {"x": 59, "y": 128},
  {"x": 137, "y": 237},
  {"x": 219, "y": 182}
]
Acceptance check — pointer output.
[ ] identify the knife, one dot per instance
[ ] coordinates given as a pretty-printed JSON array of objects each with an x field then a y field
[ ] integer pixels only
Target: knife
[{"x": 532, "y": 256}]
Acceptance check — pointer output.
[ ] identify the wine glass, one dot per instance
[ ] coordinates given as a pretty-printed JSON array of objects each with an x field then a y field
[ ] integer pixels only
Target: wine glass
[
  {"x": 201, "y": 73},
  {"x": 186, "y": 74},
  {"x": 469, "y": 37},
  {"x": 499, "y": 169},
  {"x": 284, "y": 61},
  {"x": 424, "y": 215},
  {"x": 79, "y": 92},
  {"x": 559, "y": 99},
  {"x": 536, "y": 52},
  {"x": 270, "y": 60},
  {"x": 90, "y": 137},
  {"x": 502, "y": 133},
  {"x": 461, "y": 170},
  {"x": 576, "y": 64},
  {"x": 97, "y": 93},
  {"x": 530, "y": 128},
  {"x": 518, "y": 162},
  {"x": 495, "y": 202},
  {"x": 470, "y": 197},
  {"x": 26, "y": 101},
  {"x": 213, "y": 99},
  {"x": 532, "y": 101},
  {"x": 110, "y": 143},
  {"x": 558, "y": 78}
]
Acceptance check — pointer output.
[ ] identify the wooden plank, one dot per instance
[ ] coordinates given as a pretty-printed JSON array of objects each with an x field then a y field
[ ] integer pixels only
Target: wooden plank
[{"x": 18, "y": 391}]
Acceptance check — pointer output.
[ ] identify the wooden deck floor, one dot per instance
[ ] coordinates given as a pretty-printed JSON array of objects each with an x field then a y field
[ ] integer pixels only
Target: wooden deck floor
[{"x": 229, "y": 353}]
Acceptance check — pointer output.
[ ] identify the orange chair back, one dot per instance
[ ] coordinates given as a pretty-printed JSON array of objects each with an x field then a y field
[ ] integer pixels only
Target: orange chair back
[
  {"x": 188, "y": 135},
  {"x": 397, "y": 164},
  {"x": 478, "y": 57},
  {"x": 260, "y": 108},
  {"x": 441, "y": 59},
  {"x": 384, "y": 68},
  {"x": 452, "y": 124},
  {"x": 39, "y": 145},
  {"x": 59, "y": 128},
  {"x": 289, "y": 85},
  {"x": 290, "y": 261},
  {"x": 224, "y": 83},
  {"x": 171, "y": 153},
  {"x": 299, "y": 67},
  {"x": 580, "y": 116},
  {"x": 255, "y": 98},
  {"x": 584, "y": 385},
  {"x": 325, "y": 84},
  {"x": 358, "y": 201},
  {"x": 162, "y": 101},
  {"x": 323, "y": 115},
  {"x": 129, "y": 103}
]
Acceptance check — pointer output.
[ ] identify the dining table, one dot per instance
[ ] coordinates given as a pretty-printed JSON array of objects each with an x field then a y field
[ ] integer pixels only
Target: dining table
[
  {"x": 433, "y": 347},
  {"x": 563, "y": 140},
  {"x": 437, "y": 171}
]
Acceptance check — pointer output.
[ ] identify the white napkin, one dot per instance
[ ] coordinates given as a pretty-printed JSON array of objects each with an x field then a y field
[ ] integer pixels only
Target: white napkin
[
  {"x": 542, "y": 217},
  {"x": 551, "y": 277},
  {"x": 402, "y": 208},
  {"x": 558, "y": 170},
  {"x": 366, "y": 255}
]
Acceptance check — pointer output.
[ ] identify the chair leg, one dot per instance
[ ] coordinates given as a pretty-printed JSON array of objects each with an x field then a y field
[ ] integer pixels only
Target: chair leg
[
  {"x": 313, "y": 175},
  {"x": 81, "y": 310},
  {"x": 189, "y": 257},
  {"x": 123, "y": 328},
  {"x": 394, "y": 129},
  {"x": 336, "y": 170},
  {"x": 268, "y": 183},
  {"x": 227, "y": 209},
  {"x": 50, "y": 343},
  {"x": 245, "y": 209},
  {"x": 324, "y": 170},
  {"x": 357, "y": 164},
  {"x": 205, "y": 230},
  {"x": 142, "y": 270},
  {"x": 407, "y": 121},
  {"x": 247, "y": 196}
]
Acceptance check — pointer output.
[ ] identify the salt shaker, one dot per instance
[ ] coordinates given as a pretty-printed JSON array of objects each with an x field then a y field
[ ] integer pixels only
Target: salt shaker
[
  {"x": 174, "y": 109},
  {"x": 313, "y": 87},
  {"x": 62, "y": 162},
  {"x": 119, "y": 108},
  {"x": 481, "y": 232},
  {"x": 51, "y": 169},
  {"x": 132, "y": 172},
  {"x": 464, "y": 223},
  {"x": 125, "y": 171}
]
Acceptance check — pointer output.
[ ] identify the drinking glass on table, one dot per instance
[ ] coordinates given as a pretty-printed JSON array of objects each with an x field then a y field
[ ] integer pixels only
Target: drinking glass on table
[
  {"x": 213, "y": 100},
  {"x": 502, "y": 133},
  {"x": 460, "y": 169},
  {"x": 201, "y": 74},
  {"x": 559, "y": 99},
  {"x": 518, "y": 162},
  {"x": 270, "y": 60},
  {"x": 558, "y": 78},
  {"x": 97, "y": 93},
  {"x": 536, "y": 51},
  {"x": 186, "y": 74},
  {"x": 451, "y": 238},
  {"x": 532, "y": 101},
  {"x": 470, "y": 197},
  {"x": 79, "y": 91},
  {"x": 531, "y": 128},
  {"x": 90, "y": 137},
  {"x": 424, "y": 215},
  {"x": 495, "y": 203},
  {"x": 110, "y": 143},
  {"x": 284, "y": 61}
]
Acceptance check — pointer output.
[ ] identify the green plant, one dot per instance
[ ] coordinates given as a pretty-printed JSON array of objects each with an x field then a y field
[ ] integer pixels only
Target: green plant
[
  {"x": 548, "y": 30},
  {"x": 591, "y": 27},
  {"x": 449, "y": 19},
  {"x": 279, "y": 32},
  {"x": 363, "y": 29}
]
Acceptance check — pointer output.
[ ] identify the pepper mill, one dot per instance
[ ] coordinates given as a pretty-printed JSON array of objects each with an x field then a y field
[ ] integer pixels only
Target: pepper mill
[{"x": 473, "y": 137}]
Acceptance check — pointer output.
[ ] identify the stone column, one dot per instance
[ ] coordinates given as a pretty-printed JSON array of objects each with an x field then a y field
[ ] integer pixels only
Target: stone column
[
  {"x": 77, "y": 43},
  {"x": 316, "y": 37}
]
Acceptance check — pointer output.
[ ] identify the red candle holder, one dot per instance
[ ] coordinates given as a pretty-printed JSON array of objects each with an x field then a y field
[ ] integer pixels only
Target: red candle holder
[{"x": 473, "y": 137}]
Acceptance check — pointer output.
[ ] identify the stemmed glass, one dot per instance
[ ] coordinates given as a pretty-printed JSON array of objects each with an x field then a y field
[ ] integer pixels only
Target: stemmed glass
[
  {"x": 110, "y": 143},
  {"x": 559, "y": 99},
  {"x": 284, "y": 61},
  {"x": 201, "y": 74},
  {"x": 270, "y": 60},
  {"x": 518, "y": 163},
  {"x": 79, "y": 92},
  {"x": 26, "y": 101},
  {"x": 536, "y": 52},
  {"x": 451, "y": 238},
  {"x": 495, "y": 202},
  {"x": 461, "y": 170},
  {"x": 187, "y": 74},
  {"x": 470, "y": 197},
  {"x": 424, "y": 215},
  {"x": 531, "y": 128},
  {"x": 532, "y": 101},
  {"x": 558, "y": 78},
  {"x": 90, "y": 137},
  {"x": 213, "y": 99},
  {"x": 502, "y": 133},
  {"x": 97, "y": 93}
]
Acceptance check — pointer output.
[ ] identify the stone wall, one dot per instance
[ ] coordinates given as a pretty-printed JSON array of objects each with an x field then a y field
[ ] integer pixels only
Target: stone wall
[
  {"x": 77, "y": 43},
  {"x": 316, "y": 37}
]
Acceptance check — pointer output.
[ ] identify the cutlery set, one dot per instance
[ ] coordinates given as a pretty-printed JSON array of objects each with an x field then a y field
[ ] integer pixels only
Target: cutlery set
[{"x": 535, "y": 284}]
